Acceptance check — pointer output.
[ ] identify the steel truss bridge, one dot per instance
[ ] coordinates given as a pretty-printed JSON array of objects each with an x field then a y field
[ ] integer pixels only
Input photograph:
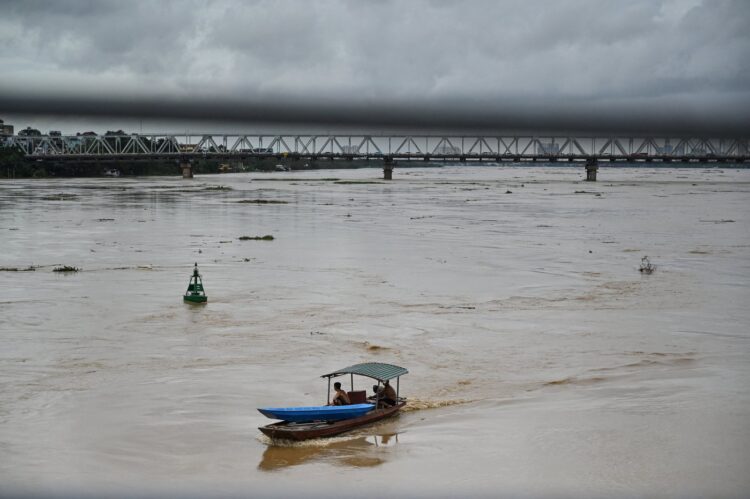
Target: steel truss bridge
[{"x": 510, "y": 148}]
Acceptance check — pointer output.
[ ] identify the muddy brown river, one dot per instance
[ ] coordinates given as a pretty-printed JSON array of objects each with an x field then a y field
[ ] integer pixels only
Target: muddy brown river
[{"x": 542, "y": 362}]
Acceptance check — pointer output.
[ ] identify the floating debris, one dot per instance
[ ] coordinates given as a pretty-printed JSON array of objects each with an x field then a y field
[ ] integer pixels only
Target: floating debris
[
  {"x": 30, "y": 268},
  {"x": 60, "y": 197},
  {"x": 646, "y": 266},
  {"x": 257, "y": 238},
  {"x": 262, "y": 201},
  {"x": 218, "y": 188},
  {"x": 349, "y": 182},
  {"x": 66, "y": 268}
]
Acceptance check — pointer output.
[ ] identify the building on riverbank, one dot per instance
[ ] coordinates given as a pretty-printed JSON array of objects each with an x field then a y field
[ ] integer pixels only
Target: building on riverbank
[{"x": 5, "y": 130}]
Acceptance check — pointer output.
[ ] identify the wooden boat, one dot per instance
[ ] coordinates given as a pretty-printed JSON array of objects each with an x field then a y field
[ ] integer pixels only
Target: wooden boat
[
  {"x": 318, "y": 429},
  {"x": 382, "y": 373},
  {"x": 317, "y": 413}
]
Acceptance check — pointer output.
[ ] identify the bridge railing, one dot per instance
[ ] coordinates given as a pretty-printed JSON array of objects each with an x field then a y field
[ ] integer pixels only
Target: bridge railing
[{"x": 372, "y": 146}]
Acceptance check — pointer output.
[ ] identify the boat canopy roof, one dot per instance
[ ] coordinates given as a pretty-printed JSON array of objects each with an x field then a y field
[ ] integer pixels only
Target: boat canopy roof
[{"x": 375, "y": 370}]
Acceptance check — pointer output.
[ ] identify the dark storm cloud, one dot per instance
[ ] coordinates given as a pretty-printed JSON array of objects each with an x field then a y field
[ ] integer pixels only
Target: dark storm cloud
[{"x": 677, "y": 56}]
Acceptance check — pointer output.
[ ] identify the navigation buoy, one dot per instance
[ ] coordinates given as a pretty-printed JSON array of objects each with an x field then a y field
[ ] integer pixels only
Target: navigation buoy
[{"x": 195, "y": 292}]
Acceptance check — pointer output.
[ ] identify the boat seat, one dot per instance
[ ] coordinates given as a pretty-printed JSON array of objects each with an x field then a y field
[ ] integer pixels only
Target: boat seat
[{"x": 357, "y": 396}]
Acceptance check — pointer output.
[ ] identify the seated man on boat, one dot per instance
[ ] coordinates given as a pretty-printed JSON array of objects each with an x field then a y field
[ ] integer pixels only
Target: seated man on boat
[
  {"x": 341, "y": 397},
  {"x": 386, "y": 394}
]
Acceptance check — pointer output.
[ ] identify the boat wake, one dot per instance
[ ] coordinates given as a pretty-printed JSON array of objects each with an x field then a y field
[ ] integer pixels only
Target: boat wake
[{"x": 415, "y": 404}]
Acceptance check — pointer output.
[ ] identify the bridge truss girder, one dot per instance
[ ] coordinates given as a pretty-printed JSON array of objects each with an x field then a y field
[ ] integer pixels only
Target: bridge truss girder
[{"x": 438, "y": 147}]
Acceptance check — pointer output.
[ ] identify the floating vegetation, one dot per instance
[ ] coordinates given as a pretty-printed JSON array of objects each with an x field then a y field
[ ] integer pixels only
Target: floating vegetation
[
  {"x": 257, "y": 238},
  {"x": 262, "y": 201},
  {"x": 30, "y": 268},
  {"x": 66, "y": 268},
  {"x": 646, "y": 266},
  {"x": 325, "y": 179},
  {"x": 60, "y": 197},
  {"x": 347, "y": 182}
]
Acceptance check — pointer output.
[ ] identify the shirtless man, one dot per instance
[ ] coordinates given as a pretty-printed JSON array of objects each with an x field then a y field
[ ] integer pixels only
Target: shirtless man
[
  {"x": 341, "y": 397},
  {"x": 386, "y": 393}
]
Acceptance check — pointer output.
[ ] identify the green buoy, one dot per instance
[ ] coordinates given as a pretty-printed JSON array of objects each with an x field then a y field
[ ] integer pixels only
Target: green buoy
[{"x": 195, "y": 292}]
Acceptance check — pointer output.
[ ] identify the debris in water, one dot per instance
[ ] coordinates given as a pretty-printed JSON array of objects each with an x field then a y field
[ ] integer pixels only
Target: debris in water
[
  {"x": 351, "y": 182},
  {"x": 30, "y": 268},
  {"x": 66, "y": 268},
  {"x": 63, "y": 196},
  {"x": 267, "y": 237},
  {"x": 262, "y": 201},
  {"x": 646, "y": 266}
]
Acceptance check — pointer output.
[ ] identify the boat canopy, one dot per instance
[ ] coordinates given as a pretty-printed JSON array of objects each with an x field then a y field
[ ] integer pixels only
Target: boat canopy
[{"x": 375, "y": 370}]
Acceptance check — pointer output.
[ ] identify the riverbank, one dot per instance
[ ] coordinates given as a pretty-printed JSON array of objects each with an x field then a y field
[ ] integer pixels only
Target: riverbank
[{"x": 14, "y": 166}]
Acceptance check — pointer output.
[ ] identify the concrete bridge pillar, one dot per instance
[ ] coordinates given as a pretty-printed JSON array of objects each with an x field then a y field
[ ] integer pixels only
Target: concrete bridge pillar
[
  {"x": 592, "y": 165},
  {"x": 388, "y": 168},
  {"x": 187, "y": 168}
]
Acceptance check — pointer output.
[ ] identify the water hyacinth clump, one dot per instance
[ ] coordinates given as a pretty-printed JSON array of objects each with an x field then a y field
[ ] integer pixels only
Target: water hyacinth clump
[
  {"x": 66, "y": 268},
  {"x": 257, "y": 238}
]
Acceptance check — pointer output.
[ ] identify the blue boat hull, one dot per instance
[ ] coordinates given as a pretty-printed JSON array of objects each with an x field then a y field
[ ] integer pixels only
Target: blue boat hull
[{"x": 317, "y": 413}]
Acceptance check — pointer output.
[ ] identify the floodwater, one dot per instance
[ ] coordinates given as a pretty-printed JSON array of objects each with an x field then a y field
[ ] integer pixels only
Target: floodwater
[{"x": 542, "y": 362}]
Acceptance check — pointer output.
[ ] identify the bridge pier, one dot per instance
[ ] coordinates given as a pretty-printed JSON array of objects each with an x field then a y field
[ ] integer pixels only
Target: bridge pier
[
  {"x": 388, "y": 168},
  {"x": 187, "y": 168},
  {"x": 592, "y": 165}
]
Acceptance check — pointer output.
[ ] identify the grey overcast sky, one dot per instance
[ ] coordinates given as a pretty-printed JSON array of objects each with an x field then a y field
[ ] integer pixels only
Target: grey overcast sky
[{"x": 644, "y": 54}]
